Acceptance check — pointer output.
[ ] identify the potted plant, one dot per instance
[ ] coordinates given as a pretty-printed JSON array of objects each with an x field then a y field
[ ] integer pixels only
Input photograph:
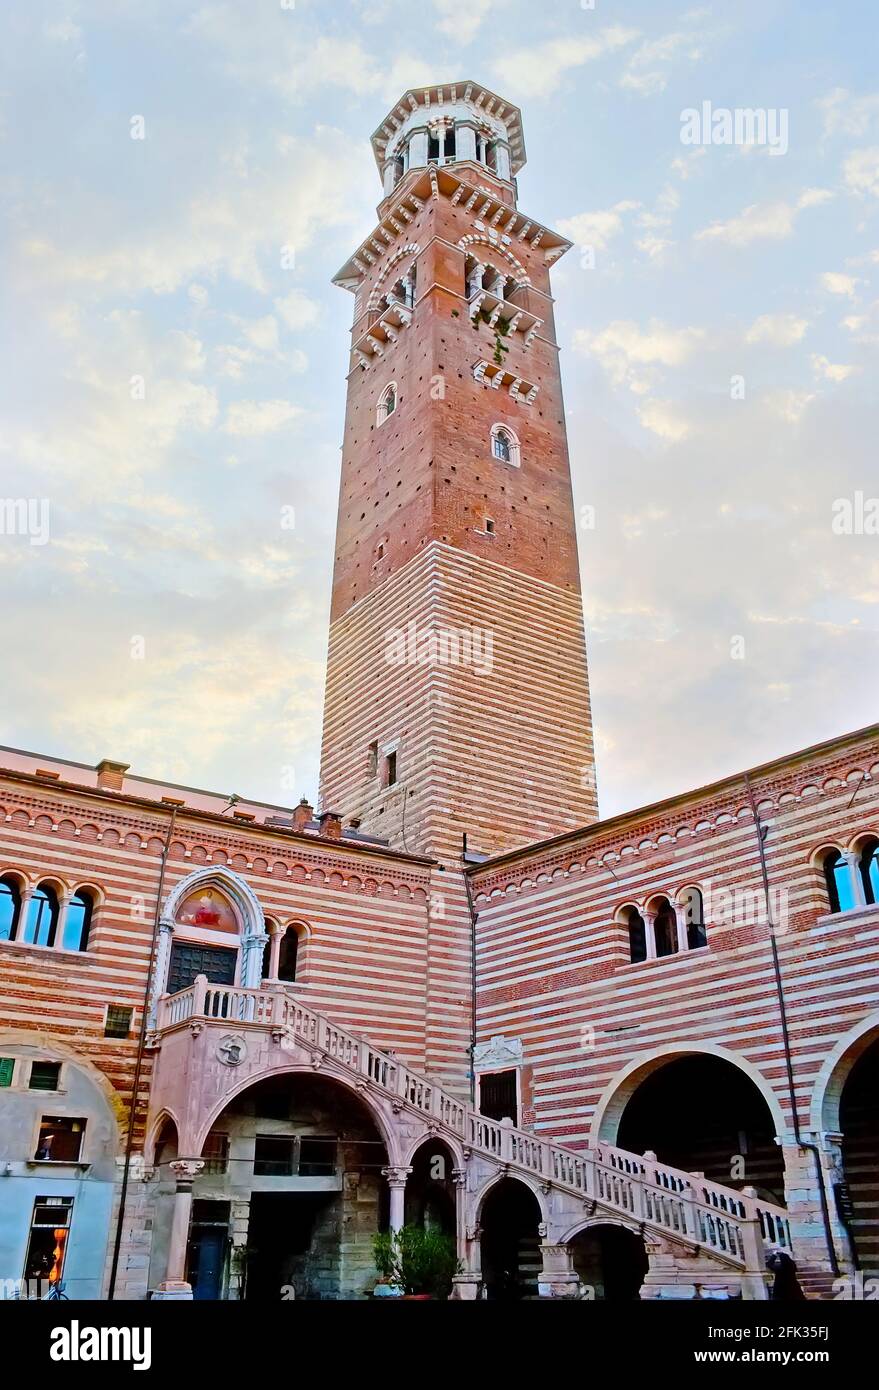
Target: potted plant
[{"x": 419, "y": 1260}]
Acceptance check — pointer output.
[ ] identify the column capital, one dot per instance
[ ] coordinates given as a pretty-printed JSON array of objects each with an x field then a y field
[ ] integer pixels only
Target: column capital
[
  {"x": 396, "y": 1176},
  {"x": 185, "y": 1170}
]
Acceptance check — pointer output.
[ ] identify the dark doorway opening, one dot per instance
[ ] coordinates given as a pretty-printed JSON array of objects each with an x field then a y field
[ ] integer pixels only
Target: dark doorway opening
[
  {"x": 217, "y": 962},
  {"x": 511, "y": 1257},
  {"x": 702, "y": 1114},
  {"x": 293, "y": 1244},
  {"x": 611, "y": 1261},
  {"x": 859, "y": 1122},
  {"x": 498, "y": 1097}
]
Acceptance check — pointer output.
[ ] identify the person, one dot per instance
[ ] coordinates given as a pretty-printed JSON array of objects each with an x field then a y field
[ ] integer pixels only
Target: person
[{"x": 786, "y": 1285}]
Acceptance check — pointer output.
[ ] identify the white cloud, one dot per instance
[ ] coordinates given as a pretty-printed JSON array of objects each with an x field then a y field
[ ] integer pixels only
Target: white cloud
[
  {"x": 861, "y": 172},
  {"x": 596, "y": 229},
  {"x": 535, "y": 71},
  {"x": 830, "y": 371},
  {"x": 259, "y": 417},
  {"x": 837, "y": 283},
  {"x": 297, "y": 310},
  {"x": 647, "y": 70},
  {"x": 665, "y": 419},
  {"x": 629, "y": 353},
  {"x": 844, "y": 114},
  {"x": 462, "y": 19},
  {"x": 764, "y": 221},
  {"x": 781, "y": 330},
  {"x": 653, "y": 247}
]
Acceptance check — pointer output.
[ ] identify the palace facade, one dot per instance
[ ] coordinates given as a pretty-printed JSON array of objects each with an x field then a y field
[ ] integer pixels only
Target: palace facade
[{"x": 612, "y": 1058}]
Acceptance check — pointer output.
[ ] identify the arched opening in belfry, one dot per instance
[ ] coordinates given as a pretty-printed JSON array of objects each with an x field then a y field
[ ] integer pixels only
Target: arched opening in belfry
[
  {"x": 702, "y": 1113},
  {"x": 430, "y": 1188},
  {"x": 290, "y": 1194},
  {"x": 611, "y": 1263},
  {"x": 859, "y": 1123},
  {"x": 510, "y": 1242}
]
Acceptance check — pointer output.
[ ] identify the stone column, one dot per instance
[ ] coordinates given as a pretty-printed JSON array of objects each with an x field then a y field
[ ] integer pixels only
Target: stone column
[
  {"x": 466, "y": 143},
  {"x": 854, "y": 867},
  {"x": 397, "y": 1183},
  {"x": 388, "y": 177},
  {"x": 558, "y": 1277},
  {"x": 23, "y": 911},
  {"x": 504, "y": 165},
  {"x": 465, "y": 1285},
  {"x": 63, "y": 907},
  {"x": 418, "y": 149},
  {"x": 650, "y": 933},
  {"x": 681, "y": 924},
  {"x": 185, "y": 1171},
  {"x": 275, "y": 952},
  {"x": 160, "y": 972},
  {"x": 252, "y": 947}
]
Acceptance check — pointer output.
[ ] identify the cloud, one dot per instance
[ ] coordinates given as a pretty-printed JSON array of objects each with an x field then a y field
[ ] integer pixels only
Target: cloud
[
  {"x": 861, "y": 172},
  {"x": 259, "y": 417},
  {"x": 228, "y": 223},
  {"x": 837, "y": 283},
  {"x": 830, "y": 371},
  {"x": 843, "y": 114},
  {"x": 625, "y": 350},
  {"x": 764, "y": 221},
  {"x": 596, "y": 229},
  {"x": 297, "y": 310},
  {"x": 665, "y": 419},
  {"x": 462, "y": 19},
  {"x": 536, "y": 71},
  {"x": 647, "y": 70},
  {"x": 781, "y": 330}
]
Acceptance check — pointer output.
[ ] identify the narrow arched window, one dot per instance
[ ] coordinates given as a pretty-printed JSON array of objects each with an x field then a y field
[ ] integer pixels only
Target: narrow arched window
[
  {"x": 869, "y": 866},
  {"x": 501, "y": 445},
  {"x": 387, "y": 403},
  {"x": 505, "y": 445},
  {"x": 665, "y": 928},
  {"x": 637, "y": 935},
  {"x": 41, "y": 920},
  {"x": 837, "y": 876},
  {"x": 78, "y": 921},
  {"x": 288, "y": 954},
  {"x": 694, "y": 915},
  {"x": 10, "y": 907}
]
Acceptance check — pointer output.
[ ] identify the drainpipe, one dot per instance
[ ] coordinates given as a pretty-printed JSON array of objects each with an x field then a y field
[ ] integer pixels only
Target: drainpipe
[
  {"x": 138, "y": 1065},
  {"x": 472, "y": 911},
  {"x": 785, "y": 1035}
]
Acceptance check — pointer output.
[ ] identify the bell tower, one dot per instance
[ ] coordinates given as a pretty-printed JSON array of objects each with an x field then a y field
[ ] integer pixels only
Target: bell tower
[{"x": 457, "y": 692}]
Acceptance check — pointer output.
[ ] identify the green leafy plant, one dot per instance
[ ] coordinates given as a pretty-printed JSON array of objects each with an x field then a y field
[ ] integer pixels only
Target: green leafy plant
[{"x": 420, "y": 1260}]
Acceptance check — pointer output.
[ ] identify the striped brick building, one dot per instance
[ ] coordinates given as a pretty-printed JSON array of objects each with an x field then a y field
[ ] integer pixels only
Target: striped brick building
[{"x": 633, "y": 1055}]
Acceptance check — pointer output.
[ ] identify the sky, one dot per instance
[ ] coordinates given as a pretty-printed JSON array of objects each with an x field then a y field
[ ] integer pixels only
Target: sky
[{"x": 179, "y": 183}]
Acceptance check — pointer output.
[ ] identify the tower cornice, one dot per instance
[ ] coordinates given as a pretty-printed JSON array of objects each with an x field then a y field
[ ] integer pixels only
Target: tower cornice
[{"x": 489, "y": 213}]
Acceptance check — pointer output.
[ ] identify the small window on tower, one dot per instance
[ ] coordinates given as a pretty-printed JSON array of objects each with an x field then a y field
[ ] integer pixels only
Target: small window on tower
[
  {"x": 387, "y": 403},
  {"x": 489, "y": 526},
  {"x": 505, "y": 445},
  {"x": 390, "y": 776}
]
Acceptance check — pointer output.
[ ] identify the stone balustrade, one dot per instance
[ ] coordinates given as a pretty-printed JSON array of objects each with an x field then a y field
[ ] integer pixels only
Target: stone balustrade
[{"x": 687, "y": 1207}]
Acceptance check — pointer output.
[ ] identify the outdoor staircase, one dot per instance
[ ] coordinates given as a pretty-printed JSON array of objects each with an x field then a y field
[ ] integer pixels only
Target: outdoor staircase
[{"x": 707, "y": 1217}]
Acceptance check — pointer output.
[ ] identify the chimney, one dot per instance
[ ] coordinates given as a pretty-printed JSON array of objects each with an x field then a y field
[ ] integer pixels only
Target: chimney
[
  {"x": 111, "y": 775},
  {"x": 330, "y": 825},
  {"x": 303, "y": 814}
]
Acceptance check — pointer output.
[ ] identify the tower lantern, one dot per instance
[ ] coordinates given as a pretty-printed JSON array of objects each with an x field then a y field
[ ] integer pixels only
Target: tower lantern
[{"x": 457, "y": 691}]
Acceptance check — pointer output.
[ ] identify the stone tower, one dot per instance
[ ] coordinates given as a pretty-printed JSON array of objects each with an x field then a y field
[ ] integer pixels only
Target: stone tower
[{"x": 457, "y": 694}]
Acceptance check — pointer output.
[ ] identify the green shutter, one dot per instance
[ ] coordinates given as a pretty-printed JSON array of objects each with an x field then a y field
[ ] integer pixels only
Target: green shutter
[{"x": 7, "y": 1066}]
